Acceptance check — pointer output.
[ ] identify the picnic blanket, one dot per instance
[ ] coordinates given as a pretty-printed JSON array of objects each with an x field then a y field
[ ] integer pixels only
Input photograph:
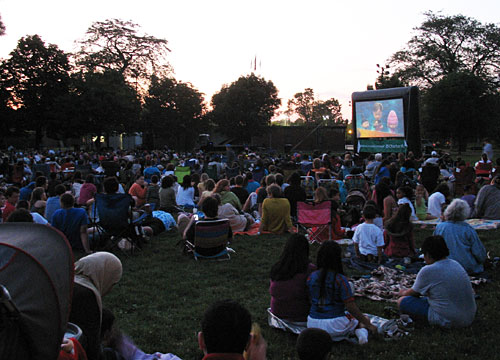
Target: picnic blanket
[
  {"x": 253, "y": 230},
  {"x": 390, "y": 329},
  {"x": 477, "y": 224},
  {"x": 385, "y": 283}
]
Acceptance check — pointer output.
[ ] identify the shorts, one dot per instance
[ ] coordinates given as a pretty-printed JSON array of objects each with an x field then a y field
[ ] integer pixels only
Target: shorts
[
  {"x": 415, "y": 306},
  {"x": 339, "y": 326}
]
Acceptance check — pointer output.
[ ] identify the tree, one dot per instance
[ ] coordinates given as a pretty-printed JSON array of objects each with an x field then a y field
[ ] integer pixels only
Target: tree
[
  {"x": 459, "y": 107},
  {"x": 172, "y": 110},
  {"x": 107, "y": 104},
  {"x": 36, "y": 76},
  {"x": 311, "y": 111},
  {"x": 449, "y": 44},
  {"x": 2, "y": 27},
  {"x": 245, "y": 107},
  {"x": 115, "y": 44},
  {"x": 385, "y": 80}
]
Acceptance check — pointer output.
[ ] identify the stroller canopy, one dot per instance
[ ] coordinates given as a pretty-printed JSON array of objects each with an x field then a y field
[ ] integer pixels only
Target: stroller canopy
[{"x": 36, "y": 267}]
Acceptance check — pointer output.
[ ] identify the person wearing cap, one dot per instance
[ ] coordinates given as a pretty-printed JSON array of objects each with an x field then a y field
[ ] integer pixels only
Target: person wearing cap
[{"x": 433, "y": 159}]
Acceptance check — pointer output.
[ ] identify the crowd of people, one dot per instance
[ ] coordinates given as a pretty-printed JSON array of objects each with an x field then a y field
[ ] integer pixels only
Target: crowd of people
[{"x": 59, "y": 188}]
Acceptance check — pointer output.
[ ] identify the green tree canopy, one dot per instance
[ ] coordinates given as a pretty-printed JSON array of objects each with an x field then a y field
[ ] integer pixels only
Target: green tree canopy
[
  {"x": 311, "y": 111},
  {"x": 2, "y": 27},
  {"x": 245, "y": 107},
  {"x": 444, "y": 45},
  {"x": 107, "y": 103},
  {"x": 36, "y": 75},
  {"x": 117, "y": 45},
  {"x": 459, "y": 107},
  {"x": 172, "y": 111}
]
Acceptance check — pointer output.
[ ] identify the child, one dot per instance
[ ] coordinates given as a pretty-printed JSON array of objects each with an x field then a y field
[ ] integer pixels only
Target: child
[
  {"x": 469, "y": 197},
  {"x": 421, "y": 198},
  {"x": 331, "y": 295},
  {"x": 404, "y": 194},
  {"x": 314, "y": 344},
  {"x": 399, "y": 234},
  {"x": 153, "y": 193},
  {"x": 379, "y": 221},
  {"x": 368, "y": 238}
]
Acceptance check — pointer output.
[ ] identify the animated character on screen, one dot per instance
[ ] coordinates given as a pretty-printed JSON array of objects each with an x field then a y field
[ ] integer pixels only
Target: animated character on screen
[
  {"x": 377, "y": 116},
  {"x": 365, "y": 124},
  {"x": 392, "y": 122}
]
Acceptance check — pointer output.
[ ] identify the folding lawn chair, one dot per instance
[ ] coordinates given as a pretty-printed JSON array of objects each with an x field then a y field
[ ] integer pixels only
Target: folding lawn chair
[
  {"x": 36, "y": 274},
  {"x": 309, "y": 185},
  {"x": 210, "y": 240},
  {"x": 315, "y": 219},
  {"x": 113, "y": 221}
]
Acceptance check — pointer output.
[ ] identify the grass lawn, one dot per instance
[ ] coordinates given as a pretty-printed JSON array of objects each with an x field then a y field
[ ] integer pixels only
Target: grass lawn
[{"x": 162, "y": 296}]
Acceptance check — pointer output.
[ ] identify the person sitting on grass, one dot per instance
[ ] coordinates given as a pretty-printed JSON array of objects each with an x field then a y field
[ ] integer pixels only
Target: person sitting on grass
[
  {"x": 331, "y": 295},
  {"x": 289, "y": 297},
  {"x": 73, "y": 223},
  {"x": 399, "y": 234},
  {"x": 442, "y": 293},
  {"x": 368, "y": 238},
  {"x": 275, "y": 212},
  {"x": 462, "y": 240}
]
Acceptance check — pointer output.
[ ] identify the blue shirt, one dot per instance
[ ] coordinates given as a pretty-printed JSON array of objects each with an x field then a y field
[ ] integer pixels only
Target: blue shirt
[
  {"x": 149, "y": 172},
  {"x": 464, "y": 244},
  {"x": 252, "y": 186},
  {"x": 337, "y": 292},
  {"x": 52, "y": 205},
  {"x": 69, "y": 221}
]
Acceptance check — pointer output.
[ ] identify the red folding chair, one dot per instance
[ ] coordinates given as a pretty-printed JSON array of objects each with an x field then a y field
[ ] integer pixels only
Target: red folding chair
[{"x": 316, "y": 220}]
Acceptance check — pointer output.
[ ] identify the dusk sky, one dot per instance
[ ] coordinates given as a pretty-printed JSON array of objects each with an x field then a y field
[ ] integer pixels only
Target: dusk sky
[{"x": 330, "y": 46}]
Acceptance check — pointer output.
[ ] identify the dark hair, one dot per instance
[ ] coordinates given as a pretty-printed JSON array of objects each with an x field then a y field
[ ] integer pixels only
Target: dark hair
[
  {"x": 294, "y": 259},
  {"x": 167, "y": 182},
  {"x": 249, "y": 175},
  {"x": 209, "y": 184},
  {"x": 20, "y": 215},
  {"x": 89, "y": 178},
  {"x": 329, "y": 258},
  {"x": 23, "y": 204},
  {"x": 67, "y": 200},
  {"x": 443, "y": 189},
  {"x": 407, "y": 191},
  {"x": 400, "y": 222},
  {"x": 226, "y": 327},
  {"x": 154, "y": 179},
  {"x": 110, "y": 185},
  {"x": 11, "y": 190},
  {"x": 369, "y": 212},
  {"x": 382, "y": 190},
  {"x": 186, "y": 182},
  {"x": 279, "y": 179},
  {"x": 294, "y": 179},
  {"x": 435, "y": 247},
  {"x": 60, "y": 189},
  {"x": 210, "y": 207},
  {"x": 313, "y": 344},
  {"x": 238, "y": 180},
  {"x": 40, "y": 181}
]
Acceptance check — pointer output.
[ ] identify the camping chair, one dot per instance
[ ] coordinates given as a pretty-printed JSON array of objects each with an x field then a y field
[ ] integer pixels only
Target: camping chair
[
  {"x": 36, "y": 274},
  {"x": 309, "y": 185},
  {"x": 232, "y": 172},
  {"x": 306, "y": 167},
  {"x": 84, "y": 169},
  {"x": 181, "y": 171},
  {"x": 329, "y": 185},
  {"x": 212, "y": 172},
  {"x": 315, "y": 219},
  {"x": 210, "y": 240},
  {"x": 113, "y": 220},
  {"x": 43, "y": 168}
]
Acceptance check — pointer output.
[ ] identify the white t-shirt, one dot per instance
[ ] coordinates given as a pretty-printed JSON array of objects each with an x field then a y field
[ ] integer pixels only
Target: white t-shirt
[
  {"x": 435, "y": 201},
  {"x": 38, "y": 219},
  {"x": 368, "y": 237}
]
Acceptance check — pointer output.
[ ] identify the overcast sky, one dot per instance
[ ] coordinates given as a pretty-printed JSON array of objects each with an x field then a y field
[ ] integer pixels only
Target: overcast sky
[{"x": 330, "y": 46}]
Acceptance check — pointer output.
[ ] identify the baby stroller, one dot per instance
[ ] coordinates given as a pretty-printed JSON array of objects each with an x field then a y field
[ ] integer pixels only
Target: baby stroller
[
  {"x": 36, "y": 274},
  {"x": 353, "y": 207}
]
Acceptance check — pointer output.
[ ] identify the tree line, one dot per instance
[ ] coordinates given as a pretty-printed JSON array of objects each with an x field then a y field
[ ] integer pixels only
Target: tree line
[{"x": 120, "y": 81}]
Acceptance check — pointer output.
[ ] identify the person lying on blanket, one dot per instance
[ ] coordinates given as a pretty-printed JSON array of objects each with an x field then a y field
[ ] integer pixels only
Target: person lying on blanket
[{"x": 442, "y": 293}]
